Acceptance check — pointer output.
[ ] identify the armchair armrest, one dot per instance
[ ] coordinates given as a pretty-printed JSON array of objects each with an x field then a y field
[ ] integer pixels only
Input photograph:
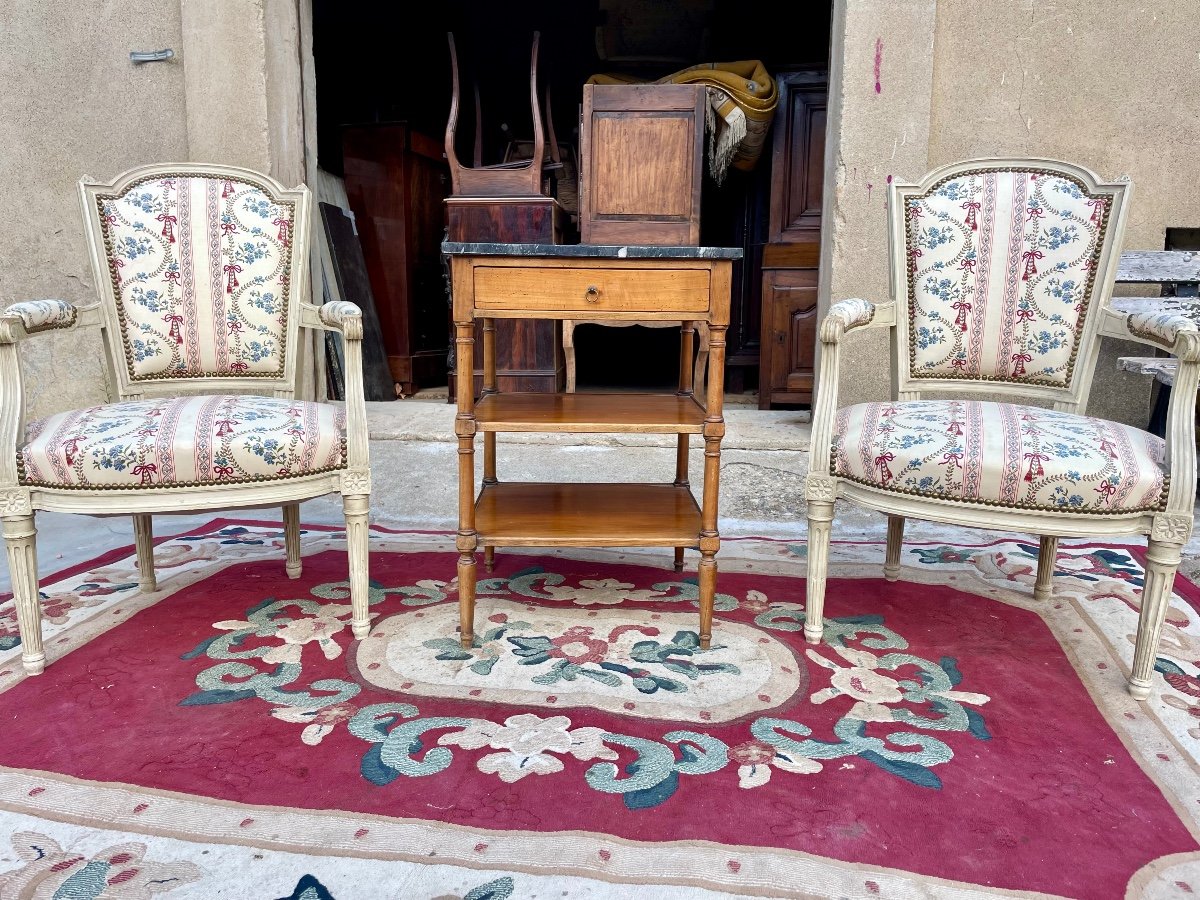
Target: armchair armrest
[
  {"x": 1172, "y": 323},
  {"x": 843, "y": 316},
  {"x": 346, "y": 318},
  {"x": 343, "y": 316},
  {"x": 32, "y": 316},
  {"x": 846, "y": 315}
]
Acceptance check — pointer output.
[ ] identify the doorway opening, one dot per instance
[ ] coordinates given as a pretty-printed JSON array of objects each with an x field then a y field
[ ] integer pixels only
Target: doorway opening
[{"x": 377, "y": 68}]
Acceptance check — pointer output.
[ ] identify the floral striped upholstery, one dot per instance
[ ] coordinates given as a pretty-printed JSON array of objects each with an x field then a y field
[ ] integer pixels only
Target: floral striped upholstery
[
  {"x": 181, "y": 441},
  {"x": 1000, "y": 454},
  {"x": 1000, "y": 268},
  {"x": 200, "y": 273}
]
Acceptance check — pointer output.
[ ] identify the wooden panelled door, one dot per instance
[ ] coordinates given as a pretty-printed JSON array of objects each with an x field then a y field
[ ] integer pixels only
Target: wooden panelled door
[{"x": 787, "y": 357}]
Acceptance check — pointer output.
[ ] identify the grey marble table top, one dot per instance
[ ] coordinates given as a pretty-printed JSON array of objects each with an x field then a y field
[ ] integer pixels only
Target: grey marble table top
[{"x": 589, "y": 251}]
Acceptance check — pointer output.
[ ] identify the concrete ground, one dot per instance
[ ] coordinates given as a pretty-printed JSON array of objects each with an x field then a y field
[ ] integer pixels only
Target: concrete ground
[{"x": 764, "y": 460}]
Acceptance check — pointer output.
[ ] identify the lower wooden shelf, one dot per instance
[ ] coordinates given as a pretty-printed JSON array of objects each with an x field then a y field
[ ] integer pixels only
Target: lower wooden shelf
[{"x": 523, "y": 514}]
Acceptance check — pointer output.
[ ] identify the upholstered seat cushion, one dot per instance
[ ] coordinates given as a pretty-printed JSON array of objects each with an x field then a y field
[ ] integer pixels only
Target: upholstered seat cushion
[
  {"x": 1000, "y": 454},
  {"x": 183, "y": 441}
]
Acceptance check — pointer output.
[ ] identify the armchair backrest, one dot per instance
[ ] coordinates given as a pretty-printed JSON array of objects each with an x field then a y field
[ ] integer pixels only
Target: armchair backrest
[
  {"x": 999, "y": 270},
  {"x": 200, "y": 271}
]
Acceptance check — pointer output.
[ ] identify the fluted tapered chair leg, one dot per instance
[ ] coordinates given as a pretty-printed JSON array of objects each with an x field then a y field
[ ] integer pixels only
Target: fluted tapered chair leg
[
  {"x": 820, "y": 523},
  {"x": 356, "y": 508},
  {"x": 1043, "y": 587},
  {"x": 895, "y": 543},
  {"x": 143, "y": 537},
  {"x": 291, "y": 539},
  {"x": 20, "y": 539},
  {"x": 1162, "y": 561}
]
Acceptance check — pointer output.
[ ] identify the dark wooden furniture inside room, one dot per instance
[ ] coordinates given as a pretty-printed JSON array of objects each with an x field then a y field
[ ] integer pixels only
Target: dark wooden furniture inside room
[
  {"x": 396, "y": 180},
  {"x": 791, "y": 256}
]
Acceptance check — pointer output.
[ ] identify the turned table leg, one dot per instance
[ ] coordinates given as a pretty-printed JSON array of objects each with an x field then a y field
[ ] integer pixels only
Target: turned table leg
[
  {"x": 489, "y": 437},
  {"x": 464, "y": 427},
  {"x": 714, "y": 431},
  {"x": 686, "y": 388}
]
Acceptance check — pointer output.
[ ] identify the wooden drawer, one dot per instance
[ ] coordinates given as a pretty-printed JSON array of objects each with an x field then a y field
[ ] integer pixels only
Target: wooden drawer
[{"x": 596, "y": 290}]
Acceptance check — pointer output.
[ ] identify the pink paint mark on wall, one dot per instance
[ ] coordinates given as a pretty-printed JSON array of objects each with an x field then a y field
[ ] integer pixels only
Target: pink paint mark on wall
[
  {"x": 878, "y": 65},
  {"x": 889, "y": 179},
  {"x": 869, "y": 186}
]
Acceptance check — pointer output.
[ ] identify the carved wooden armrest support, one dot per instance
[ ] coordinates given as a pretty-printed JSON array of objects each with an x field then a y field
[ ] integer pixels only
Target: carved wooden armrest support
[
  {"x": 343, "y": 316},
  {"x": 846, "y": 315},
  {"x": 33, "y": 316}
]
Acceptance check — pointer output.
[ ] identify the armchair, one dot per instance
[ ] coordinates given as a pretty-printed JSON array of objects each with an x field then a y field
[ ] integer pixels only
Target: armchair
[
  {"x": 1002, "y": 278},
  {"x": 200, "y": 270}
]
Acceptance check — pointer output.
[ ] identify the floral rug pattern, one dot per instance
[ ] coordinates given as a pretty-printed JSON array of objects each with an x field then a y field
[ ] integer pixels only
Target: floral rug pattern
[{"x": 944, "y": 734}]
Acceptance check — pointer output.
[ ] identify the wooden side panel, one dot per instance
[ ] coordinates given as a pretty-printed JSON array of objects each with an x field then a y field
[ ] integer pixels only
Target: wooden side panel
[
  {"x": 642, "y": 155},
  {"x": 793, "y": 252},
  {"x": 789, "y": 336},
  {"x": 623, "y": 187},
  {"x": 796, "y": 210}
]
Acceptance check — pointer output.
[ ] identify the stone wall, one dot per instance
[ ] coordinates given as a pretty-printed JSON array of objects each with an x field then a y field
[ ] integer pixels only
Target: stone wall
[
  {"x": 73, "y": 104},
  {"x": 1102, "y": 83}
]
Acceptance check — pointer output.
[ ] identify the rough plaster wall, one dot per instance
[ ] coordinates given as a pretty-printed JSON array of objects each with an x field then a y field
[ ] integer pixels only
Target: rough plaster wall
[
  {"x": 284, "y": 94},
  {"x": 73, "y": 104},
  {"x": 226, "y": 81},
  {"x": 882, "y": 55},
  {"x": 1098, "y": 82}
]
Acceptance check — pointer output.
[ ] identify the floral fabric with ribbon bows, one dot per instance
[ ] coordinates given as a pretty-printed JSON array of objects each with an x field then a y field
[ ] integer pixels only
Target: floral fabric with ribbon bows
[
  {"x": 181, "y": 441},
  {"x": 1000, "y": 454},
  {"x": 1000, "y": 266},
  {"x": 191, "y": 257}
]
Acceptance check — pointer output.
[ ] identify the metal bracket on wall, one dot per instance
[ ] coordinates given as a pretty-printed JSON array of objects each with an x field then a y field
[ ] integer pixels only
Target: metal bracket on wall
[{"x": 145, "y": 56}]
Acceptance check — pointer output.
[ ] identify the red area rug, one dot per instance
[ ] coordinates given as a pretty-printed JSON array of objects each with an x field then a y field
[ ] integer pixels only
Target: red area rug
[{"x": 948, "y": 738}]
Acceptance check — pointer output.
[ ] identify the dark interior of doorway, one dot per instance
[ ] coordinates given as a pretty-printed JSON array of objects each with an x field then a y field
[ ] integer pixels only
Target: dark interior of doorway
[{"x": 382, "y": 62}]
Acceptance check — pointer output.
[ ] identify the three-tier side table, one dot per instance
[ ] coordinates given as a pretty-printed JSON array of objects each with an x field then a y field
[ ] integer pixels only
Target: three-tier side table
[{"x": 577, "y": 281}]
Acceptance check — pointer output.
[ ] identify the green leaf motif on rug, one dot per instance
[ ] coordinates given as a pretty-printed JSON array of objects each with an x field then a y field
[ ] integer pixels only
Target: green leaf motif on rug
[
  {"x": 500, "y": 889},
  {"x": 897, "y": 700}
]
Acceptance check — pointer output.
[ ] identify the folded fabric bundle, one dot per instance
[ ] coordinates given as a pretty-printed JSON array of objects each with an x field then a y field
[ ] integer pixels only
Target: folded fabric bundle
[{"x": 741, "y": 103}]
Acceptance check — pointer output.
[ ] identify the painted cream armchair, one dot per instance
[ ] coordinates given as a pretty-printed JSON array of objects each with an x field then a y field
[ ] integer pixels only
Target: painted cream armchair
[
  {"x": 1002, "y": 276},
  {"x": 200, "y": 271}
]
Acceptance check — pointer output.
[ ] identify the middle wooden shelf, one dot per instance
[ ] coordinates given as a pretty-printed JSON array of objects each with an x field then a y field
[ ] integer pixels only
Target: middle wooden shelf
[
  {"x": 591, "y": 413},
  {"x": 571, "y": 514}
]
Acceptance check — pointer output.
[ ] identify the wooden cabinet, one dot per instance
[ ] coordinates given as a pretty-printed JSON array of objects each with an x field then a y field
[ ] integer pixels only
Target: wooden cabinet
[
  {"x": 396, "y": 180},
  {"x": 641, "y": 163},
  {"x": 792, "y": 254}
]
